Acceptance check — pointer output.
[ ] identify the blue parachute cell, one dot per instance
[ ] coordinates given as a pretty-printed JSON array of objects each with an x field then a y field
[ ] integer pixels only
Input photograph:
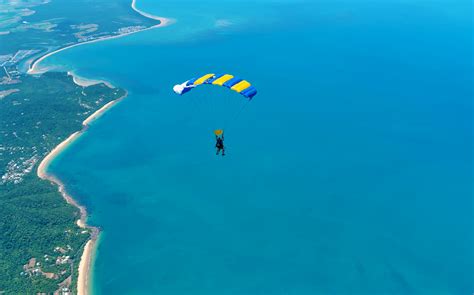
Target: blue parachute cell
[
  {"x": 249, "y": 92},
  {"x": 238, "y": 85},
  {"x": 232, "y": 82}
]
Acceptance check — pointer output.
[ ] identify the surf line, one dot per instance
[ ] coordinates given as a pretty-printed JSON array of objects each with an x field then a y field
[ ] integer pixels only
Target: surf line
[
  {"x": 34, "y": 68},
  {"x": 85, "y": 264},
  {"x": 89, "y": 248}
]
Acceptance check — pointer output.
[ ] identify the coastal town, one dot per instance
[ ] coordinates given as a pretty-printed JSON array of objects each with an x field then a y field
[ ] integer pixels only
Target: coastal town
[
  {"x": 14, "y": 64},
  {"x": 22, "y": 157},
  {"x": 114, "y": 181},
  {"x": 9, "y": 63},
  {"x": 21, "y": 45},
  {"x": 34, "y": 128},
  {"x": 31, "y": 127},
  {"x": 58, "y": 266}
]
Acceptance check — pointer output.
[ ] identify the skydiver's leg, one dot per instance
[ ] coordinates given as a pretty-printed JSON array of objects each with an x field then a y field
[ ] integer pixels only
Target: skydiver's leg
[{"x": 223, "y": 151}]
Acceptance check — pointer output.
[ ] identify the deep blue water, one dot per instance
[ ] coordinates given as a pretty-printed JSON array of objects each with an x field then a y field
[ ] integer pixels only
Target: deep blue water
[{"x": 349, "y": 173}]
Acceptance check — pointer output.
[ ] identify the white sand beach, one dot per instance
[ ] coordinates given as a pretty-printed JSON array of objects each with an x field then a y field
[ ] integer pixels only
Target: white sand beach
[{"x": 86, "y": 258}]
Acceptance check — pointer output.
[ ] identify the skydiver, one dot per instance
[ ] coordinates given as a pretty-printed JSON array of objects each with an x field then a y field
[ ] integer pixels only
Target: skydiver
[{"x": 220, "y": 144}]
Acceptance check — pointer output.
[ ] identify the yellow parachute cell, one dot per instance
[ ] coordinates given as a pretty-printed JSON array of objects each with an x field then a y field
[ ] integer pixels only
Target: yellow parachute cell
[
  {"x": 241, "y": 86},
  {"x": 223, "y": 79},
  {"x": 202, "y": 79}
]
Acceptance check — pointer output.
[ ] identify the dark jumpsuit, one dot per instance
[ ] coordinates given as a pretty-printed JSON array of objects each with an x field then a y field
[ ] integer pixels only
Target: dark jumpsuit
[{"x": 220, "y": 145}]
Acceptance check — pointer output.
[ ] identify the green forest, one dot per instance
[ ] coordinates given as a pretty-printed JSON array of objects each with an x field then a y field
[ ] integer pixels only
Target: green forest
[{"x": 40, "y": 242}]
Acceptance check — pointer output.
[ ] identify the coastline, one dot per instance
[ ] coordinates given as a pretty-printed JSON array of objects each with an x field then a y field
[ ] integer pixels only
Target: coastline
[
  {"x": 85, "y": 82},
  {"x": 34, "y": 69},
  {"x": 86, "y": 260}
]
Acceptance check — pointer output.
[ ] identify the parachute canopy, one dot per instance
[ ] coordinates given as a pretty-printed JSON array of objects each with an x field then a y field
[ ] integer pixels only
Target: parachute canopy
[
  {"x": 218, "y": 132},
  {"x": 238, "y": 85}
]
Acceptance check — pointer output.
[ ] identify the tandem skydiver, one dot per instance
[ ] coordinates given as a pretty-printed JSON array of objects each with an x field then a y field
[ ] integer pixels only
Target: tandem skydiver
[
  {"x": 220, "y": 144},
  {"x": 240, "y": 86}
]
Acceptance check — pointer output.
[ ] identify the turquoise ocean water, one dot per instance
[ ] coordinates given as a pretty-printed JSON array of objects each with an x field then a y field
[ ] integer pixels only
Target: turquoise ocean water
[{"x": 349, "y": 173}]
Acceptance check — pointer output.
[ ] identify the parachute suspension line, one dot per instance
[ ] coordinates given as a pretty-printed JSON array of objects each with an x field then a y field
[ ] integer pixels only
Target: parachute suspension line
[
  {"x": 237, "y": 115},
  {"x": 195, "y": 106},
  {"x": 215, "y": 109},
  {"x": 210, "y": 104},
  {"x": 208, "y": 100},
  {"x": 230, "y": 124},
  {"x": 227, "y": 103}
]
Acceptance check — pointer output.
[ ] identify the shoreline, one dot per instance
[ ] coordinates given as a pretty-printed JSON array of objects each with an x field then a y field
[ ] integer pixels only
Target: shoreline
[
  {"x": 85, "y": 263},
  {"x": 85, "y": 82},
  {"x": 86, "y": 260},
  {"x": 34, "y": 69}
]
